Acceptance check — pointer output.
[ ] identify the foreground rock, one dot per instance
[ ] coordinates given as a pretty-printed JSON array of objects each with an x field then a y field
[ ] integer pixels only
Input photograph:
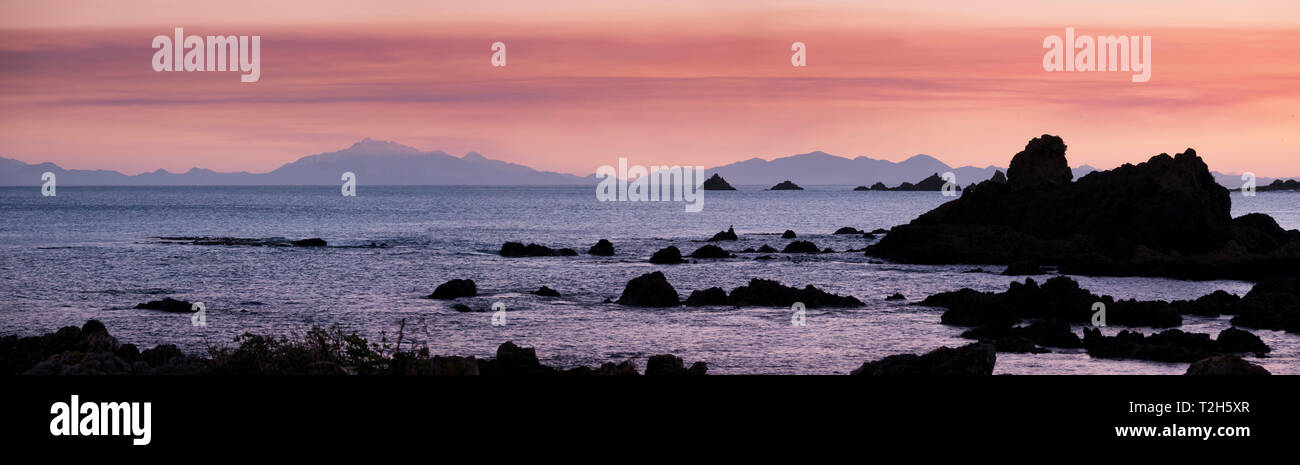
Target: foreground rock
[
  {"x": 1171, "y": 345},
  {"x": 786, "y": 186},
  {"x": 516, "y": 249},
  {"x": 90, "y": 350},
  {"x": 716, "y": 183},
  {"x": 649, "y": 290},
  {"x": 1224, "y": 365},
  {"x": 167, "y": 304},
  {"x": 1058, "y": 298},
  {"x": 455, "y": 289},
  {"x": 1165, "y": 217},
  {"x": 603, "y": 248},
  {"x": 672, "y": 365},
  {"x": 968, "y": 360}
]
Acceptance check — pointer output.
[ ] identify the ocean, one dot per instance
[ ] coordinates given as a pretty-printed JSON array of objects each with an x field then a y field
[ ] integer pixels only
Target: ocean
[{"x": 92, "y": 253}]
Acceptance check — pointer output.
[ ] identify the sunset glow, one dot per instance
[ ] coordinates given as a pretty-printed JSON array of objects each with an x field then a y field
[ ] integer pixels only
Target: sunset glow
[{"x": 651, "y": 82}]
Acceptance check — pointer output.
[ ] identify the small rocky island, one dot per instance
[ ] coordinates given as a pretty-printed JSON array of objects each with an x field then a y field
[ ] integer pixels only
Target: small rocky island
[
  {"x": 716, "y": 183},
  {"x": 932, "y": 183},
  {"x": 786, "y": 186}
]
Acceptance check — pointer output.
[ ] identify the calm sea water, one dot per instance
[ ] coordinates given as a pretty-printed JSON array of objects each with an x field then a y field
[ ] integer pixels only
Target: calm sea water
[{"x": 90, "y": 253}]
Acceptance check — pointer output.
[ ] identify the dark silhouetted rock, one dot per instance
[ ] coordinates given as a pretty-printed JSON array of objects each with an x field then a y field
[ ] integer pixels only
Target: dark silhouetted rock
[
  {"x": 1031, "y": 338},
  {"x": 672, "y": 365},
  {"x": 1166, "y": 346},
  {"x": 848, "y": 230},
  {"x": 768, "y": 293},
  {"x": 1165, "y": 217},
  {"x": 602, "y": 248},
  {"x": 788, "y": 234},
  {"x": 313, "y": 242},
  {"x": 1023, "y": 269},
  {"x": 766, "y": 249},
  {"x": 1224, "y": 365},
  {"x": 968, "y": 360},
  {"x": 999, "y": 177},
  {"x": 624, "y": 368},
  {"x": 667, "y": 256},
  {"x": 461, "y": 308},
  {"x": 516, "y": 249},
  {"x": 1236, "y": 341},
  {"x": 455, "y": 288},
  {"x": 1058, "y": 298},
  {"x": 546, "y": 292},
  {"x": 710, "y": 296},
  {"x": 454, "y": 366},
  {"x": 167, "y": 305},
  {"x": 649, "y": 290},
  {"x": 786, "y": 186},
  {"x": 896, "y": 296},
  {"x": 801, "y": 247},
  {"x": 514, "y": 360},
  {"x": 728, "y": 235},
  {"x": 1272, "y": 303},
  {"x": 711, "y": 251},
  {"x": 716, "y": 183},
  {"x": 1041, "y": 162}
]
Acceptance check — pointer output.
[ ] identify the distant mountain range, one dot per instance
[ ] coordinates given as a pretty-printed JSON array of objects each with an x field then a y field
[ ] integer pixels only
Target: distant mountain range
[{"x": 387, "y": 163}]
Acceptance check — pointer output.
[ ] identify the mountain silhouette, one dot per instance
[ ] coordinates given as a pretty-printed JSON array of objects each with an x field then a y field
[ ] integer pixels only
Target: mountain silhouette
[{"x": 378, "y": 162}]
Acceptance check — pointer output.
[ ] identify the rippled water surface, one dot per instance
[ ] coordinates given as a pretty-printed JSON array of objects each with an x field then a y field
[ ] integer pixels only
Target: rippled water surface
[{"x": 91, "y": 253}]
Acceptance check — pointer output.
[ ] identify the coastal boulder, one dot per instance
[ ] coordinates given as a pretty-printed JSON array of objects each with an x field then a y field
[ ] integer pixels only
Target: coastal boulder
[
  {"x": 167, "y": 304},
  {"x": 788, "y": 234},
  {"x": 728, "y": 235},
  {"x": 711, "y": 251},
  {"x": 546, "y": 292},
  {"x": 455, "y": 288},
  {"x": 1224, "y": 365},
  {"x": 649, "y": 290},
  {"x": 801, "y": 247},
  {"x": 672, "y": 365},
  {"x": 968, "y": 360},
  {"x": 768, "y": 293},
  {"x": 667, "y": 256},
  {"x": 602, "y": 248},
  {"x": 516, "y": 249},
  {"x": 710, "y": 296}
]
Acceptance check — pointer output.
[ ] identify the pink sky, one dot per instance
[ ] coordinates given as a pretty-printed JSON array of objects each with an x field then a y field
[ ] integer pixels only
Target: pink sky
[{"x": 588, "y": 82}]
